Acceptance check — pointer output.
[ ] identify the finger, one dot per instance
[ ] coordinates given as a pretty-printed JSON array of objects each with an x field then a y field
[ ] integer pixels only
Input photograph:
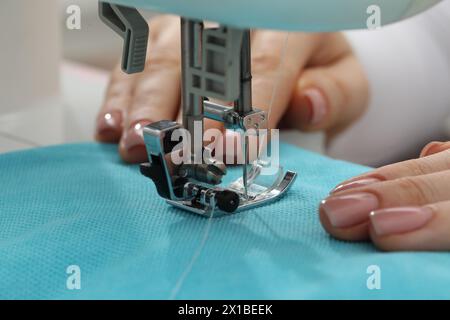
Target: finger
[
  {"x": 332, "y": 95},
  {"x": 351, "y": 208},
  {"x": 434, "y": 147},
  {"x": 276, "y": 64},
  {"x": 329, "y": 98},
  {"x": 277, "y": 59},
  {"x": 346, "y": 217},
  {"x": 435, "y": 163},
  {"x": 412, "y": 228},
  {"x": 118, "y": 98},
  {"x": 358, "y": 232},
  {"x": 157, "y": 92}
]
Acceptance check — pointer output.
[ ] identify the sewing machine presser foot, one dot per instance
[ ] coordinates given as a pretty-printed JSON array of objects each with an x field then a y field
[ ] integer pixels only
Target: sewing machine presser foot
[{"x": 216, "y": 64}]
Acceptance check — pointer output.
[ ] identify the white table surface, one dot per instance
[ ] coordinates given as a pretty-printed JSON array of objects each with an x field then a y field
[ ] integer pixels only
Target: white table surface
[{"x": 69, "y": 118}]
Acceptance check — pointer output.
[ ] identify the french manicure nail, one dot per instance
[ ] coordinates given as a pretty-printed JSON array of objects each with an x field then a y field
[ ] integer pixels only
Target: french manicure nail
[
  {"x": 434, "y": 147},
  {"x": 318, "y": 104},
  {"x": 430, "y": 148},
  {"x": 109, "y": 121},
  {"x": 400, "y": 220},
  {"x": 355, "y": 184},
  {"x": 134, "y": 136},
  {"x": 349, "y": 210}
]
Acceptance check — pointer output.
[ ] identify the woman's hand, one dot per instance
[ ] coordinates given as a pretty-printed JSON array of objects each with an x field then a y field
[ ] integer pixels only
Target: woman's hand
[
  {"x": 403, "y": 206},
  {"x": 321, "y": 85}
]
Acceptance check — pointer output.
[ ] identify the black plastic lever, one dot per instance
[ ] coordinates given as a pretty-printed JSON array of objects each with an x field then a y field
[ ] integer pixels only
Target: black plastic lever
[{"x": 132, "y": 27}]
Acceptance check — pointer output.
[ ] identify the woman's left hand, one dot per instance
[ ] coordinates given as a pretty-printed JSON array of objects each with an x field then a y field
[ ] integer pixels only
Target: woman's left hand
[{"x": 403, "y": 206}]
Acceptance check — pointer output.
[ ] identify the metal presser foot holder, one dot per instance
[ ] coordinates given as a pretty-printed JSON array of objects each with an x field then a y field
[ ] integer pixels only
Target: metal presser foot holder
[{"x": 216, "y": 64}]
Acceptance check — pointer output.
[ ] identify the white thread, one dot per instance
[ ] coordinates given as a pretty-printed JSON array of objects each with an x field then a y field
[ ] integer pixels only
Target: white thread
[{"x": 194, "y": 259}]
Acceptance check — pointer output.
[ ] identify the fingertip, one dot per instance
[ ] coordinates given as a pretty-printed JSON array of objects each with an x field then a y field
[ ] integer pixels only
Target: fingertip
[
  {"x": 132, "y": 146},
  {"x": 109, "y": 127},
  {"x": 299, "y": 112},
  {"x": 428, "y": 148},
  {"x": 316, "y": 101},
  {"x": 359, "y": 232},
  {"x": 108, "y": 136},
  {"x": 404, "y": 229},
  {"x": 434, "y": 147},
  {"x": 137, "y": 154},
  {"x": 389, "y": 243},
  {"x": 308, "y": 110}
]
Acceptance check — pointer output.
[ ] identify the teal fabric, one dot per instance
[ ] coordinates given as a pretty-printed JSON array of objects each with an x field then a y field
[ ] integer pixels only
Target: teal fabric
[{"x": 79, "y": 205}]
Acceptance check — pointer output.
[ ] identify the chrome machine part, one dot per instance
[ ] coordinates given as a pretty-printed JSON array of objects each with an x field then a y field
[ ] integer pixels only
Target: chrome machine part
[
  {"x": 216, "y": 64},
  {"x": 129, "y": 24}
]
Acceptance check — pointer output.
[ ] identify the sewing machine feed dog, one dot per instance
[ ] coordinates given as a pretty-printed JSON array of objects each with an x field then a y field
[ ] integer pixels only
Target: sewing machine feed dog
[{"x": 216, "y": 64}]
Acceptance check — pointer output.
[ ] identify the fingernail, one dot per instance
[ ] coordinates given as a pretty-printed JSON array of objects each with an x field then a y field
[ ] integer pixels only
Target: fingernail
[
  {"x": 134, "y": 136},
  {"x": 355, "y": 184},
  {"x": 430, "y": 148},
  {"x": 349, "y": 210},
  {"x": 400, "y": 220},
  {"x": 109, "y": 121},
  {"x": 317, "y": 102}
]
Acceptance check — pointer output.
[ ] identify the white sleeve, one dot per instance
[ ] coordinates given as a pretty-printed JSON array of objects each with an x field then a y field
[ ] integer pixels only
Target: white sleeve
[{"x": 408, "y": 65}]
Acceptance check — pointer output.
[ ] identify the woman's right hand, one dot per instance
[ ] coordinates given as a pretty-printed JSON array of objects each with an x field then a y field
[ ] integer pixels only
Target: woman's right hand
[{"x": 317, "y": 80}]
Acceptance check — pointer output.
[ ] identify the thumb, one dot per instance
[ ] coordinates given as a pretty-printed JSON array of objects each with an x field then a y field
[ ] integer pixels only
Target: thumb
[{"x": 329, "y": 97}]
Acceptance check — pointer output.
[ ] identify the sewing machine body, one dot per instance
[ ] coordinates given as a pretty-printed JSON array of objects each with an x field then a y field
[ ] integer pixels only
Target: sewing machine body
[{"x": 294, "y": 15}]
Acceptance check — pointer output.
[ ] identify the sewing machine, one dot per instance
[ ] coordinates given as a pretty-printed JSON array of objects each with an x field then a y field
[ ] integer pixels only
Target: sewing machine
[{"x": 216, "y": 64}]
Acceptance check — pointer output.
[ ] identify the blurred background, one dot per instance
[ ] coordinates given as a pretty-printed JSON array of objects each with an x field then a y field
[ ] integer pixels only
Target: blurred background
[
  {"x": 94, "y": 45},
  {"x": 53, "y": 78}
]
